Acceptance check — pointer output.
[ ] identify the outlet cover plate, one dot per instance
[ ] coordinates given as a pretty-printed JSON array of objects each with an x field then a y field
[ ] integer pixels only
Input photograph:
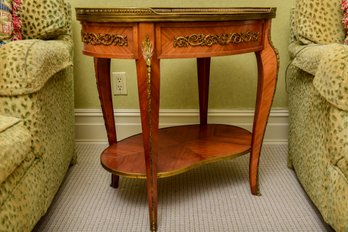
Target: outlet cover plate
[{"x": 119, "y": 83}]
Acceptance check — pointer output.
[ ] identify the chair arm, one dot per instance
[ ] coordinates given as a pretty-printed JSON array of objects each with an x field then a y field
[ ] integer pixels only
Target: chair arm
[
  {"x": 331, "y": 78},
  {"x": 26, "y": 65},
  {"x": 307, "y": 57}
]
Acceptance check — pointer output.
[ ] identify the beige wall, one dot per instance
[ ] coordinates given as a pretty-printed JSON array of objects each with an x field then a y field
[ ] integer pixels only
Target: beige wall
[{"x": 233, "y": 78}]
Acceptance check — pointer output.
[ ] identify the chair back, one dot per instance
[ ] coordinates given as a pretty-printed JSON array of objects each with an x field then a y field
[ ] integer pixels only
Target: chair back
[{"x": 318, "y": 21}]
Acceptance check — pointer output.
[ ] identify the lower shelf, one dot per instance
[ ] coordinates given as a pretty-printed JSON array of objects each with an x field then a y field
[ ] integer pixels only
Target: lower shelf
[{"x": 180, "y": 149}]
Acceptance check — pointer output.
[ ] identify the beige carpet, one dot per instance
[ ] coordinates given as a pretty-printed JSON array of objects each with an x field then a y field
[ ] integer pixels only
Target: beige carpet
[{"x": 213, "y": 198}]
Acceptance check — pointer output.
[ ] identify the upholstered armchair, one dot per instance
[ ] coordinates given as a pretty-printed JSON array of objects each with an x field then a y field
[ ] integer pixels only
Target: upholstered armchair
[
  {"x": 36, "y": 113},
  {"x": 317, "y": 82}
]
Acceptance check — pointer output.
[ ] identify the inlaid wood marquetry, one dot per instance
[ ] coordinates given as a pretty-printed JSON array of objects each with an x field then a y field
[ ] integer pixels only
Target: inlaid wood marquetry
[{"x": 180, "y": 149}]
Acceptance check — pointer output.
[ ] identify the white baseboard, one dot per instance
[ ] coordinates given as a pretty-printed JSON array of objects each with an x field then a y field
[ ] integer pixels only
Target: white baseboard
[{"x": 89, "y": 123}]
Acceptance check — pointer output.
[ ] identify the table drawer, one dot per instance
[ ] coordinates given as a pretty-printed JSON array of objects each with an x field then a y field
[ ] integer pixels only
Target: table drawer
[
  {"x": 110, "y": 40},
  {"x": 205, "y": 39}
]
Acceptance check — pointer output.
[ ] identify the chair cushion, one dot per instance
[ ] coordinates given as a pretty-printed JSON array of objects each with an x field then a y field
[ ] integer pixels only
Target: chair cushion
[
  {"x": 26, "y": 65},
  {"x": 43, "y": 19},
  {"x": 15, "y": 145},
  {"x": 319, "y": 21},
  {"x": 6, "y": 27},
  {"x": 10, "y": 23},
  {"x": 344, "y": 6}
]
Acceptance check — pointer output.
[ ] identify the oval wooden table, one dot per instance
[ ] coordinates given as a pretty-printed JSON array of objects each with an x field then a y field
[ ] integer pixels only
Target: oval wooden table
[{"x": 150, "y": 34}]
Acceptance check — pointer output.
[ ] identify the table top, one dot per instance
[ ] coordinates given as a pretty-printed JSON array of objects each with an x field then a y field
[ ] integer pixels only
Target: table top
[{"x": 134, "y": 14}]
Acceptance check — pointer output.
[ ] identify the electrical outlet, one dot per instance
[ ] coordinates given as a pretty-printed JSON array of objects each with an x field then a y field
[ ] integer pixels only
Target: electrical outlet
[{"x": 119, "y": 83}]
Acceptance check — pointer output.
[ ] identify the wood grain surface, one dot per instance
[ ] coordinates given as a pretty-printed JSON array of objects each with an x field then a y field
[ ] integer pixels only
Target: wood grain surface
[{"x": 180, "y": 149}]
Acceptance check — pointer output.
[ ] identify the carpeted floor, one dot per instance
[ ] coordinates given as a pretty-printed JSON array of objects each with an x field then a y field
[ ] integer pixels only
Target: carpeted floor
[{"x": 214, "y": 197}]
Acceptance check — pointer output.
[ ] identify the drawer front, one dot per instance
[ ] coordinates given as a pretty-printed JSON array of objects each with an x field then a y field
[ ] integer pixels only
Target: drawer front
[
  {"x": 183, "y": 40},
  {"x": 109, "y": 40}
]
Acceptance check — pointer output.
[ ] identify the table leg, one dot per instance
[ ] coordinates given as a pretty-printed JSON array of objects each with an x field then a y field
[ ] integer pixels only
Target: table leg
[
  {"x": 102, "y": 74},
  {"x": 148, "y": 75},
  {"x": 267, "y": 61},
  {"x": 203, "y": 68}
]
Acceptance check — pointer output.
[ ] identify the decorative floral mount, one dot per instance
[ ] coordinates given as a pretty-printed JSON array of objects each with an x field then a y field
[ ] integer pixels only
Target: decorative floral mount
[{"x": 344, "y": 6}]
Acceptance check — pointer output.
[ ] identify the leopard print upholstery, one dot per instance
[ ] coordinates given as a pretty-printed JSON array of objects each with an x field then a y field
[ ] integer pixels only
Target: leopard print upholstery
[
  {"x": 33, "y": 63},
  {"x": 15, "y": 155},
  {"x": 7, "y": 122},
  {"x": 14, "y": 147},
  {"x": 30, "y": 108},
  {"x": 43, "y": 19},
  {"x": 318, "y": 148},
  {"x": 307, "y": 57},
  {"x": 319, "y": 21},
  {"x": 49, "y": 117},
  {"x": 331, "y": 79},
  {"x": 328, "y": 64},
  {"x": 317, "y": 83},
  {"x": 36, "y": 85}
]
